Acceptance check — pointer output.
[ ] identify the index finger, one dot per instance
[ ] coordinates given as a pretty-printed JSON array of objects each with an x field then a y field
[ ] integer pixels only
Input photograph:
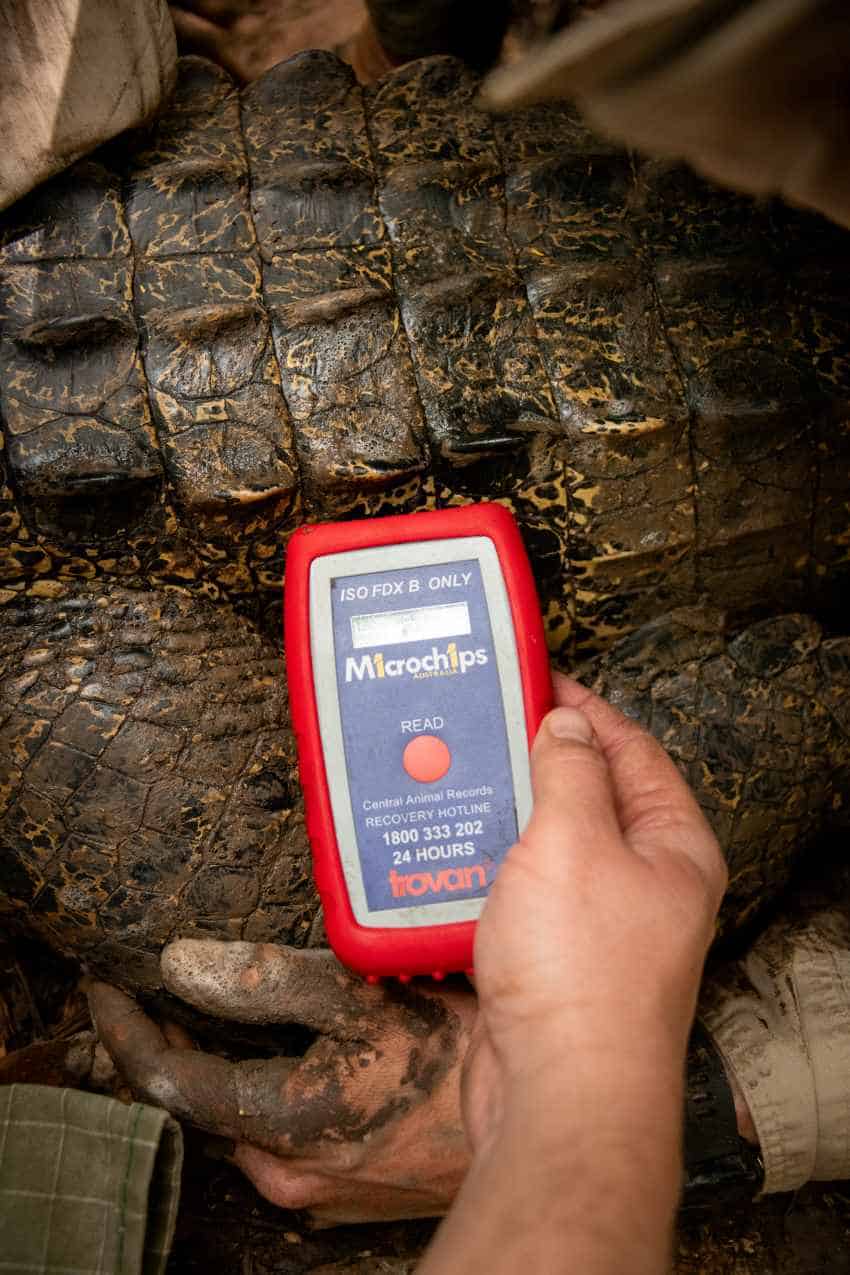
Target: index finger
[
  {"x": 233, "y": 1100},
  {"x": 267, "y": 983},
  {"x": 655, "y": 806}
]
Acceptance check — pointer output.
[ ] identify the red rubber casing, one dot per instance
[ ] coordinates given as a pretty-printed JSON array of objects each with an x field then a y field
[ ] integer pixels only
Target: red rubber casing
[{"x": 423, "y": 949}]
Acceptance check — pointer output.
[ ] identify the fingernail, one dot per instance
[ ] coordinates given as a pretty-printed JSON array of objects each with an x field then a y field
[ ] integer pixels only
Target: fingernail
[{"x": 569, "y": 723}]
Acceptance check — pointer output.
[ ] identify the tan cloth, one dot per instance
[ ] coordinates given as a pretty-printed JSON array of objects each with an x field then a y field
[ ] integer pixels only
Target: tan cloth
[
  {"x": 74, "y": 73},
  {"x": 781, "y": 1020},
  {"x": 752, "y": 93}
]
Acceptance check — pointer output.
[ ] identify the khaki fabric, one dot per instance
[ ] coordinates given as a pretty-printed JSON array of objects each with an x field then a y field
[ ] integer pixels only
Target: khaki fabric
[
  {"x": 74, "y": 73},
  {"x": 752, "y": 93},
  {"x": 781, "y": 1021},
  {"x": 88, "y": 1186}
]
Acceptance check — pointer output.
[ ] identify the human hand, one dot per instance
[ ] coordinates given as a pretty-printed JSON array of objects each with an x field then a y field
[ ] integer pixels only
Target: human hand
[
  {"x": 590, "y": 949},
  {"x": 531, "y": 1033},
  {"x": 365, "y": 1126},
  {"x": 588, "y": 957}
]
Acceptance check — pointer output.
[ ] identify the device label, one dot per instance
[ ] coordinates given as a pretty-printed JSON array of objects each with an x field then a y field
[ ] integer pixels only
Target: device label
[
  {"x": 377, "y": 665},
  {"x": 424, "y": 733}
]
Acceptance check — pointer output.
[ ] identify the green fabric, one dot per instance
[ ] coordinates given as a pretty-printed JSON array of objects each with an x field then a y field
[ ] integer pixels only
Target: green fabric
[{"x": 88, "y": 1186}]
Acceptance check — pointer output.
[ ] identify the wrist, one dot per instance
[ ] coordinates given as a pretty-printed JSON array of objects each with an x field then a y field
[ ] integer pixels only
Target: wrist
[
  {"x": 564, "y": 1138},
  {"x": 598, "y": 1140},
  {"x": 590, "y": 1202},
  {"x": 633, "y": 1096}
]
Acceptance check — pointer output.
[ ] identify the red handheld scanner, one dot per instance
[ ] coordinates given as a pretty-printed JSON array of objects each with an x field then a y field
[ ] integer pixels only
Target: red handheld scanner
[{"x": 418, "y": 676}]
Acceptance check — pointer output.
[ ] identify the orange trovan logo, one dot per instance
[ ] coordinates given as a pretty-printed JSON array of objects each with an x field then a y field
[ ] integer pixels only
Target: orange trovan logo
[{"x": 447, "y": 879}]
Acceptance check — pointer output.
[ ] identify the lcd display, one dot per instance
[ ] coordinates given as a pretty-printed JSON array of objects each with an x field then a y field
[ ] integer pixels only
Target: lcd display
[{"x": 419, "y": 624}]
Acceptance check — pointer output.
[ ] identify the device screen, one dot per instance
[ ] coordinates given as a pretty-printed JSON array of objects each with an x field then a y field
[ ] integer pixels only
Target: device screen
[{"x": 424, "y": 733}]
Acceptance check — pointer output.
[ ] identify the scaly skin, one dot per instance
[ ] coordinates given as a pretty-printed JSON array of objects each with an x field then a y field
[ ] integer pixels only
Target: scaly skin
[
  {"x": 150, "y": 787},
  {"x": 310, "y": 300}
]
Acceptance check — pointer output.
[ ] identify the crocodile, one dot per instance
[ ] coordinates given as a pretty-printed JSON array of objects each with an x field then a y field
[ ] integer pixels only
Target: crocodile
[{"x": 309, "y": 300}]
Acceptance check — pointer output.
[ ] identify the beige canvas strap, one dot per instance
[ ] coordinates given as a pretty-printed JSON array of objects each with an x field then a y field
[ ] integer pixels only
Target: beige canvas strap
[
  {"x": 781, "y": 1020},
  {"x": 74, "y": 73}
]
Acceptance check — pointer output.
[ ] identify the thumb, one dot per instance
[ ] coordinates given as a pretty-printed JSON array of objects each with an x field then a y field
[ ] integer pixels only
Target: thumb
[{"x": 574, "y": 799}]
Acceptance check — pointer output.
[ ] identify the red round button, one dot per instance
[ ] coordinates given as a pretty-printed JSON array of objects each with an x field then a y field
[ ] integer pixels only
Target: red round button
[{"x": 426, "y": 759}]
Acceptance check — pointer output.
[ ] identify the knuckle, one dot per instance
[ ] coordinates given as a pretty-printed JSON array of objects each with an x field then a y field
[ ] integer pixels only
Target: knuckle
[
  {"x": 345, "y": 1158},
  {"x": 156, "y": 1085},
  {"x": 571, "y": 755},
  {"x": 300, "y": 1194},
  {"x": 700, "y": 886},
  {"x": 703, "y": 851}
]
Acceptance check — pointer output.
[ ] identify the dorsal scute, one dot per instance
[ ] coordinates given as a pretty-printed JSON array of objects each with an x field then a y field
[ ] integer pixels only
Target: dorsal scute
[{"x": 310, "y": 299}]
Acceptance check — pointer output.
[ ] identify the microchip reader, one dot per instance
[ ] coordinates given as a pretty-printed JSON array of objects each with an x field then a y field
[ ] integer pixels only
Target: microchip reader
[{"x": 418, "y": 676}]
